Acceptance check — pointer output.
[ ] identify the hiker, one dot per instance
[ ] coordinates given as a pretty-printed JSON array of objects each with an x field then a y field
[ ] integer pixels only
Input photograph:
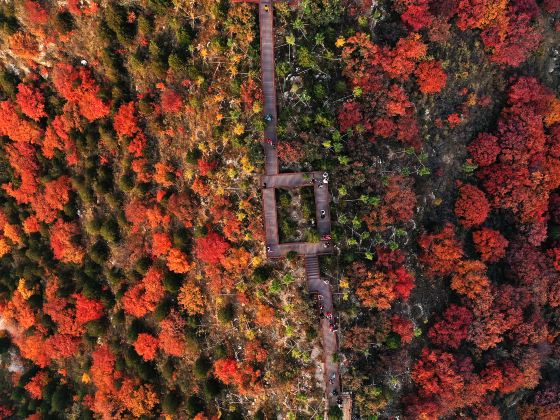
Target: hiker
[
  {"x": 323, "y": 213},
  {"x": 264, "y": 185},
  {"x": 266, "y": 8}
]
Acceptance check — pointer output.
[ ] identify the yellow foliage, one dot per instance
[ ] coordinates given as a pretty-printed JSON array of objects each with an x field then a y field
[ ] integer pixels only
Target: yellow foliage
[
  {"x": 4, "y": 247},
  {"x": 256, "y": 261},
  {"x": 24, "y": 291},
  {"x": 553, "y": 115},
  {"x": 231, "y": 172},
  {"x": 246, "y": 165},
  {"x": 238, "y": 129},
  {"x": 86, "y": 378},
  {"x": 340, "y": 41},
  {"x": 12, "y": 233}
]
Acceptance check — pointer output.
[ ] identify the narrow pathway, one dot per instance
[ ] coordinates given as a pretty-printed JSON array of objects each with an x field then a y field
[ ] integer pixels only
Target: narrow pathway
[
  {"x": 268, "y": 84},
  {"x": 319, "y": 181},
  {"x": 329, "y": 338}
]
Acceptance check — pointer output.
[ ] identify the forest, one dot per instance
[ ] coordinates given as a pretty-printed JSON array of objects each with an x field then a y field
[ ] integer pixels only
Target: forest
[{"x": 134, "y": 280}]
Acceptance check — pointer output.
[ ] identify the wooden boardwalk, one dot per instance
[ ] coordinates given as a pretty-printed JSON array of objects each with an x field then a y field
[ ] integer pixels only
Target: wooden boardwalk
[
  {"x": 319, "y": 181},
  {"x": 268, "y": 84}
]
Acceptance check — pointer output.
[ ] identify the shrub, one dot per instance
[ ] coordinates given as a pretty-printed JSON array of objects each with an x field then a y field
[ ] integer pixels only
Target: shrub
[
  {"x": 64, "y": 22},
  {"x": 99, "y": 252},
  {"x": 226, "y": 313},
  {"x": 201, "y": 367},
  {"x": 171, "y": 402},
  {"x": 212, "y": 387},
  {"x": 110, "y": 231}
]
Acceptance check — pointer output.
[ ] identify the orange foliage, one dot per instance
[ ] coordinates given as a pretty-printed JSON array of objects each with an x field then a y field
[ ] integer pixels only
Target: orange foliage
[
  {"x": 431, "y": 77},
  {"x": 470, "y": 278},
  {"x": 24, "y": 45},
  {"x": 31, "y": 101},
  {"x": 18, "y": 310},
  {"x": 36, "y": 384},
  {"x": 62, "y": 242},
  {"x": 172, "y": 333},
  {"x": 57, "y": 137},
  {"x": 125, "y": 121},
  {"x": 57, "y": 192},
  {"x": 440, "y": 252},
  {"x": 264, "y": 315},
  {"x": 79, "y": 88},
  {"x": 143, "y": 297},
  {"x": 35, "y": 12},
  {"x": 230, "y": 372},
  {"x": 177, "y": 261},
  {"x": 490, "y": 244},
  {"x": 4, "y": 247},
  {"x": 16, "y": 128},
  {"x": 87, "y": 309},
  {"x": 146, "y": 345},
  {"x": 254, "y": 352},
  {"x": 139, "y": 399},
  {"x": 397, "y": 205},
  {"x": 161, "y": 244},
  {"x": 191, "y": 298},
  {"x": 162, "y": 174}
]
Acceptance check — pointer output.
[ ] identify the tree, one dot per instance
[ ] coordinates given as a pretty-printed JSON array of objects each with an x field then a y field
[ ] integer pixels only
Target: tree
[
  {"x": 484, "y": 149},
  {"x": 453, "y": 328},
  {"x": 161, "y": 244},
  {"x": 403, "y": 327},
  {"x": 415, "y": 13},
  {"x": 63, "y": 244},
  {"x": 36, "y": 384},
  {"x": 79, "y": 88},
  {"x": 470, "y": 278},
  {"x": 35, "y": 12},
  {"x": 177, "y": 261},
  {"x": 146, "y": 345},
  {"x": 16, "y": 128},
  {"x": 211, "y": 248},
  {"x": 430, "y": 76},
  {"x": 171, "y": 101},
  {"x": 172, "y": 335},
  {"x": 440, "y": 251},
  {"x": 264, "y": 315},
  {"x": 397, "y": 205},
  {"x": 31, "y": 101},
  {"x": 87, "y": 309},
  {"x": 471, "y": 207},
  {"x": 125, "y": 122},
  {"x": 191, "y": 298},
  {"x": 143, "y": 297},
  {"x": 436, "y": 374},
  {"x": 490, "y": 244}
]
